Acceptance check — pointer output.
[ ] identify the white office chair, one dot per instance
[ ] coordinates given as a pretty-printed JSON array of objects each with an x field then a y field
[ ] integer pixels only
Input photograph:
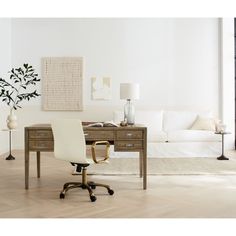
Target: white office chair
[{"x": 69, "y": 145}]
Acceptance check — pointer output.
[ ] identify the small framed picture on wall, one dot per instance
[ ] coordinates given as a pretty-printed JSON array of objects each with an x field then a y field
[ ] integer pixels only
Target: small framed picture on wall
[{"x": 101, "y": 88}]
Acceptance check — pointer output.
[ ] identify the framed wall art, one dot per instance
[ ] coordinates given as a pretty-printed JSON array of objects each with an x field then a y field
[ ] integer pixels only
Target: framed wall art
[
  {"x": 62, "y": 83},
  {"x": 101, "y": 88}
]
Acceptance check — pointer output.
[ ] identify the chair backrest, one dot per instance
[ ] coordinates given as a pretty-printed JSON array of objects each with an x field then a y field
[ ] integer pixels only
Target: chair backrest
[{"x": 69, "y": 141}]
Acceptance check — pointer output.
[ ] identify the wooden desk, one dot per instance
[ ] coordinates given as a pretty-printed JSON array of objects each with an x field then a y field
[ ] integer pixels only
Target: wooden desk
[{"x": 39, "y": 138}]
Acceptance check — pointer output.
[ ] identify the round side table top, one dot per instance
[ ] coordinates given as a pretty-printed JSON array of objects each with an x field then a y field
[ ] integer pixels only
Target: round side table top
[
  {"x": 9, "y": 129},
  {"x": 222, "y": 132}
]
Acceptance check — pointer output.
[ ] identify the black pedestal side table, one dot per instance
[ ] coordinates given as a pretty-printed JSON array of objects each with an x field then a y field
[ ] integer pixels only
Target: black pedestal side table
[
  {"x": 222, "y": 157},
  {"x": 10, "y": 156}
]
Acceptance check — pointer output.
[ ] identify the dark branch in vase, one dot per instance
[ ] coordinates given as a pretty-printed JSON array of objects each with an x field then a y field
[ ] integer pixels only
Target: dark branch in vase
[{"x": 20, "y": 80}]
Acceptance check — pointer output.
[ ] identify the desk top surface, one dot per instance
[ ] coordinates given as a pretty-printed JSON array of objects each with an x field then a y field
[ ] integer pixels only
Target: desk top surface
[{"x": 48, "y": 126}]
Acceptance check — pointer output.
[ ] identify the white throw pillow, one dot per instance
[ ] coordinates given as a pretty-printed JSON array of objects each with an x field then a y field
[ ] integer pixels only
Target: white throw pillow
[
  {"x": 204, "y": 123},
  {"x": 180, "y": 120}
]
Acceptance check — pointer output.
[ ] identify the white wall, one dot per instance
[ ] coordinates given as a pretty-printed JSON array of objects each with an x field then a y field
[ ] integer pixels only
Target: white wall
[
  {"x": 195, "y": 77},
  {"x": 174, "y": 60},
  {"x": 227, "y": 78},
  {"x": 168, "y": 57},
  {"x": 5, "y": 65}
]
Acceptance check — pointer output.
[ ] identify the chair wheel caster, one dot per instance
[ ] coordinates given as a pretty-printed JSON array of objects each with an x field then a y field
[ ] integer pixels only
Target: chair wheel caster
[
  {"x": 93, "y": 198},
  {"x": 62, "y": 195},
  {"x": 110, "y": 191},
  {"x": 92, "y": 185}
]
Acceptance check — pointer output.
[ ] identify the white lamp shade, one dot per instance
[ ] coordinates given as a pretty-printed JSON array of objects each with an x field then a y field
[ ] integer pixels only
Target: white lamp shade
[{"x": 129, "y": 91}]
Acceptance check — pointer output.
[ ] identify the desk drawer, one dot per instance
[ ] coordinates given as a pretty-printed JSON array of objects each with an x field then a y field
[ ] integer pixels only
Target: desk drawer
[
  {"x": 128, "y": 145},
  {"x": 132, "y": 134},
  {"x": 40, "y": 145},
  {"x": 99, "y": 135},
  {"x": 38, "y": 134}
]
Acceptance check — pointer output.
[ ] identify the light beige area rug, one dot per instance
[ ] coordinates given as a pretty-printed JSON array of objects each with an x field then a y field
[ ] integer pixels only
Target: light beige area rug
[
  {"x": 167, "y": 166},
  {"x": 130, "y": 166}
]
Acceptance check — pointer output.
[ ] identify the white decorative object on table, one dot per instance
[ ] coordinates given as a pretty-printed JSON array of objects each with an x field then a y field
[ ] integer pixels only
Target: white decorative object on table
[
  {"x": 129, "y": 91},
  {"x": 12, "y": 120},
  {"x": 221, "y": 127}
]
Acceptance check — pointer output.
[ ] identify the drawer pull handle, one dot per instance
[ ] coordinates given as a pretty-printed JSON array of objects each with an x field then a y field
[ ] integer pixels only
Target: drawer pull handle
[
  {"x": 129, "y": 145},
  {"x": 129, "y": 134},
  {"x": 85, "y": 134}
]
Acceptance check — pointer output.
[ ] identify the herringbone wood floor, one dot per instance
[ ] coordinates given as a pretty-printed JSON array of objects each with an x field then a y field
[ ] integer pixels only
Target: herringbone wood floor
[{"x": 166, "y": 196}]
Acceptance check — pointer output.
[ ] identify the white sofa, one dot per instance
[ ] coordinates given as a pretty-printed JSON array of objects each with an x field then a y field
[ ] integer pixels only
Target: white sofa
[{"x": 170, "y": 135}]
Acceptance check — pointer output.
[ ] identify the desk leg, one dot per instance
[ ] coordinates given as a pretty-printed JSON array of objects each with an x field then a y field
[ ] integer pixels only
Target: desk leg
[
  {"x": 144, "y": 170},
  {"x": 140, "y": 164},
  {"x": 38, "y": 164},
  {"x": 27, "y": 155},
  {"x": 26, "y": 169}
]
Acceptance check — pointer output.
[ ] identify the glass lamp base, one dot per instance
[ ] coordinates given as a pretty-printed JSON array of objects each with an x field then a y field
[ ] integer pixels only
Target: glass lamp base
[{"x": 129, "y": 113}]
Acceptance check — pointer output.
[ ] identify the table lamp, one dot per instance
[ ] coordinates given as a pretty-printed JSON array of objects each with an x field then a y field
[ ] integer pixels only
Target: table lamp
[{"x": 129, "y": 91}]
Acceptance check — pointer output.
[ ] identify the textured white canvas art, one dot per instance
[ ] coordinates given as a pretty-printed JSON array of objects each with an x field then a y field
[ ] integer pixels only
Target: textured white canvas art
[
  {"x": 62, "y": 79},
  {"x": 101, "y": 88}
]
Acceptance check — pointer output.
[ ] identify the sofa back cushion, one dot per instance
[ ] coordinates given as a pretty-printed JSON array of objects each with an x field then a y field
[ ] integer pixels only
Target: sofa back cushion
[
  {"x": 181, "y": 120},
  {"x": 151, "y": 119}
]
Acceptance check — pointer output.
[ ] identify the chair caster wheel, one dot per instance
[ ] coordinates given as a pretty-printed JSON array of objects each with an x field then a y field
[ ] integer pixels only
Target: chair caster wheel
[
  {"x": 83, "y": 187},
  {"x": 110, "y": 191},
  {"x": 62, "y": 195},
  {"x": 93, "y": 186},
  {"x": 93, "y": 198}
]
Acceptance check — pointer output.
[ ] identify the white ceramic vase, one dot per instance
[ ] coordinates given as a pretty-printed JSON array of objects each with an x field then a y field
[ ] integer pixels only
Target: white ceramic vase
[{"x": 12, "y": 120}]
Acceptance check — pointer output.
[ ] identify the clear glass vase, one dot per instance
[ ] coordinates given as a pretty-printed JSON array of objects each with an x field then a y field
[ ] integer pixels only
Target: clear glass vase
[{"x": 129, "y": 112}]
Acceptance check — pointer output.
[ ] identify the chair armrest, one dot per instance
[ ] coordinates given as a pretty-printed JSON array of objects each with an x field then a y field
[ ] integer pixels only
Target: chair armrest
[{"x": 94, "y": 151}]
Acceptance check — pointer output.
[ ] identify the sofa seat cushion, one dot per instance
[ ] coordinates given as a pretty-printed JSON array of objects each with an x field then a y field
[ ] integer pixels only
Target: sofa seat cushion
[
  {"x": 160, "y": 136},
  {"x": 193, "y": 136}
]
